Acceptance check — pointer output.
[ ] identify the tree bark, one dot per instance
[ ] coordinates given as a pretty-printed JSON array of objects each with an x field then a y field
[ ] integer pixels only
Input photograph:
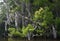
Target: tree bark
[
  {"x": 7, "y": 13},
  {"x": 54, "y": 32},
  {"x": 22, "y": 10},
  {"x": 16, "y": 20}
]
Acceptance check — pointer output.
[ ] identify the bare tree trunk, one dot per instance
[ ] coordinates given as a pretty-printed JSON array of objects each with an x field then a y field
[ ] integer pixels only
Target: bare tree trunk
[
  {"x": 7, "y": 13},
  {"x": 54, "y": 32},
  {"x": 5, "y": 26},
  {"x": 16, "y": 20},
  {"x": 29, "y": 15},
  {"x": 29, "y": 35},
  {"x": 28, "y": 9},
  {"x": 22, "y": 9}
]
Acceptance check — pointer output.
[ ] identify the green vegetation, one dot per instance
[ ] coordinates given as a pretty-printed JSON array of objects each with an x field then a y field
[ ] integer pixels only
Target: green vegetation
[
  {"x": 57, "y": 22},
  {"x": 26, "y": 18},
  {"x": 22, "y": 33}
]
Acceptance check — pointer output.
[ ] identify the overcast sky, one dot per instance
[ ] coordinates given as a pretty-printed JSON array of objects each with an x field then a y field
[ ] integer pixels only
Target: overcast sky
[{"x": 1, "y": 0}]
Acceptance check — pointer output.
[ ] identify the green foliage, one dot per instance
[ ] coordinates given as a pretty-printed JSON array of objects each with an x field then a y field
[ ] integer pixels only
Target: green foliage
[
  {"x": 2, "y": 13},
  {"x": 44, "y": 24},
  {"x": 27, "y": 1},
  {"x": 37, "y": 14},
  {"x": 23, "y": 33},
  {"x": 11, "y": 29},
  {"x": 40, "y": 2},
  {"x": 25, "y": 30},
  {"x": 44, "y": 15},
  {"x": 57, "y": 22},
  {"x": 18, "y": 34},
  {"x": 14, "y": 32},
  {"x": 31, "y": 28},
  {"x": 40, "y": 31}
]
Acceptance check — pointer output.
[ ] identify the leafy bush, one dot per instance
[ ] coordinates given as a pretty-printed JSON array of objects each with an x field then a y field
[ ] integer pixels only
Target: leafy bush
[
  {"x": 44, "y": 15},
  {"x": 25, "y": 30},
  {"x": 17, "y": 34},
  {"x": 57, "y": 22},
  {"x": 11, "y": 29},
  {"x": 40, "y": 2},
  {"x": 14, "y": 32}
]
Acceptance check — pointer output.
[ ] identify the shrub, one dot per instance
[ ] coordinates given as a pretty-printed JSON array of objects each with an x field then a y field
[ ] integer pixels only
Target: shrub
[{"x": 57, "y": 22}]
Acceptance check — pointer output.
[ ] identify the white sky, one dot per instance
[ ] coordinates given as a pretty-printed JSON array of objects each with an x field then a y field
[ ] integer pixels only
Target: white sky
[
  {"x": 1, "y": 0},
  {"x": 0, "y": 6}
]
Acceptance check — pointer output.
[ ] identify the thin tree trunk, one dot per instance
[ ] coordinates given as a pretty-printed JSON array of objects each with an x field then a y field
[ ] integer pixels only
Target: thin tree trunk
[
  {"x": 29, "y": 15},
  {"x": 7, "y": 13},
  {"x": 29, "y": 36},
  {"x": 16, "y": 20},
  {"x": 54, "y": 32},
  {"x": 22, "y": 9}
]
